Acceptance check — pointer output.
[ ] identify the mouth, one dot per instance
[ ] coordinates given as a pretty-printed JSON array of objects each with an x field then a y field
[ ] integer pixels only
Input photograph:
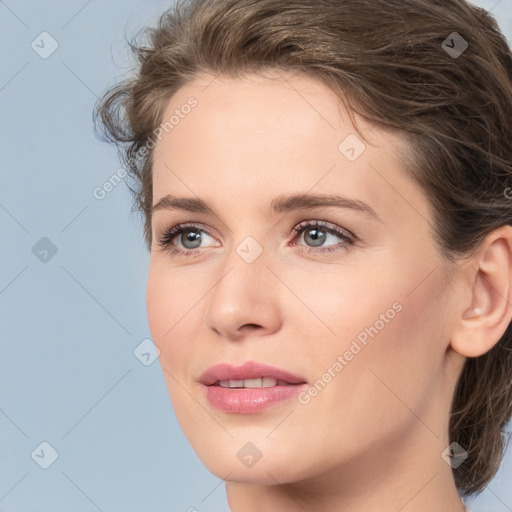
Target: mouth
[
  {"x": 250, "y": 387},
  {"x": 248, "y": 375},
  {"x": 259, "y": 382}
]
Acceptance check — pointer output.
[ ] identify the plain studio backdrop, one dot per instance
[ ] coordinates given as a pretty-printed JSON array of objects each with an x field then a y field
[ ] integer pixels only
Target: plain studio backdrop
[{"x": 85, "y": 419}]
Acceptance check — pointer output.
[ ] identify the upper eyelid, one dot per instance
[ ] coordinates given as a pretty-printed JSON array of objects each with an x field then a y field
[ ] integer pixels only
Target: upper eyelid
[{"x": 327, "y": 225}]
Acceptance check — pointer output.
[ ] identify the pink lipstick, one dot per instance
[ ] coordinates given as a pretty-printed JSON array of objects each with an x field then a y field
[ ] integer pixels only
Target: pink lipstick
[{"x": 250, "y": 387}]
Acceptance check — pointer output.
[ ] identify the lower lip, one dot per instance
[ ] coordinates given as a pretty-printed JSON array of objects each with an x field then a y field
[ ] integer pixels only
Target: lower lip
[{"x": 250, "y": 400}]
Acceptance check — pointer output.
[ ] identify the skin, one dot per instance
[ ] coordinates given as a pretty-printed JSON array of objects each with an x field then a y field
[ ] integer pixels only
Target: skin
[{"x": 372, "y": 438}]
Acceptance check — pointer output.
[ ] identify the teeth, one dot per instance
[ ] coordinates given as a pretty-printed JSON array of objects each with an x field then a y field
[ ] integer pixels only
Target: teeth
[
  {"x": 253, "y": 383},
  {"x": 269, "y": 382},
  {"x": 262, "y": 382}
]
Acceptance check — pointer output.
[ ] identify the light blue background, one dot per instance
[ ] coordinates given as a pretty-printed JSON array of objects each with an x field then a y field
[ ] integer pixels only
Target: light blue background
[{"x": 68, "y": 374}]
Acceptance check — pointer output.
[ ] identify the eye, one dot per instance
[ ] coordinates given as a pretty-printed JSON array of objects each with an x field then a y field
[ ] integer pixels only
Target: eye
[
  {"x": 317, "y": 233},
  {"x": 190, "y": 236}
]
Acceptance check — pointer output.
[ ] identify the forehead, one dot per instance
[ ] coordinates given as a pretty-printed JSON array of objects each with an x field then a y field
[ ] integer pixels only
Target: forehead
[
  {"x": 258, "y": 136},
  {"x": 275, "y": 110}
]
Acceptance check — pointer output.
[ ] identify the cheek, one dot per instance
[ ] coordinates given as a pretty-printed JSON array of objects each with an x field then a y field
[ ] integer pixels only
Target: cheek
[
  {"x": 387, "y": 317},
  {"x": 159, "y": 305},
  {"x": 396, "y": 342},
  {"x": 390, "y": 337},
  {"x": 173, "y": 308},
  {"x": 340, "y": 302},
  {"x": 170, "y": 310}
]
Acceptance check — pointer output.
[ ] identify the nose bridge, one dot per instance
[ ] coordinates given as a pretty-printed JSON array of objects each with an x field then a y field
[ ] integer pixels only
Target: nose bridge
[
  {"x": 244, "y": 293},
  {"x": 243, "y": 272}
]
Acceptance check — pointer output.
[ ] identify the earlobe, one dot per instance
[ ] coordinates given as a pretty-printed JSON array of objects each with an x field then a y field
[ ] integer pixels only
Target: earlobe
[{"x": 484, "y": 321}]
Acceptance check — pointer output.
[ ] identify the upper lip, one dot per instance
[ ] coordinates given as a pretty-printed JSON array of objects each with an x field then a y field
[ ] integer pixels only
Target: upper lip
[{"x": 248, "y": 370}]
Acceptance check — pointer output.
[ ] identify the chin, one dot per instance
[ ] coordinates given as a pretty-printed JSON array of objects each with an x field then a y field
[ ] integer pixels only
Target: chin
[
  {"x": 250, "y": 458},
  {"x": 263, "y": 472}
]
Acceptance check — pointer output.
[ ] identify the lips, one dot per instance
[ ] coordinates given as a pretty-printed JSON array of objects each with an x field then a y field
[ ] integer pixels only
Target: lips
[
  {"x": 248, "y": 375},
  {"x": 249, "y": 388}
]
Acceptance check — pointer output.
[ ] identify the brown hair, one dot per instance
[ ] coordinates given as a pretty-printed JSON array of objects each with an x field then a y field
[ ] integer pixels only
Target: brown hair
[{"x": 390, "y": 61}]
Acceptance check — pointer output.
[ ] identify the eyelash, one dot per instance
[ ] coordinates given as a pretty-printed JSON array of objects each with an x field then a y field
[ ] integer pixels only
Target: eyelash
[{"x": 169, "y": 235}]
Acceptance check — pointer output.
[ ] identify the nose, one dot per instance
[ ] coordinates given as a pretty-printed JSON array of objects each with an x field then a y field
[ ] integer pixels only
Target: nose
[{"x": 245, "y": 301}]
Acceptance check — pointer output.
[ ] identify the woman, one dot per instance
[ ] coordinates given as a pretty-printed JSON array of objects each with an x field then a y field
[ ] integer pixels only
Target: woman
[{"x": 326, "y": 194}]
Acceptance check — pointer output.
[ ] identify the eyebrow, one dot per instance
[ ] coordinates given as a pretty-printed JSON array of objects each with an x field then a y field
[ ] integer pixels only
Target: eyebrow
[{"x": 280, "y": 204}]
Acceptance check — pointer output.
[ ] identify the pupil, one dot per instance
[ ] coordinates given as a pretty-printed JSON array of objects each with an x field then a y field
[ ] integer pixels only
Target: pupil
[
  {"x": 318, "y": 236},
  {"x": 192, "y": 236}
]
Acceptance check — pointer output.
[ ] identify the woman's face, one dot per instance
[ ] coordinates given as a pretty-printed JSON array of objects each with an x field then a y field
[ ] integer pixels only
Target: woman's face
[{"x": 306, "y": 250}]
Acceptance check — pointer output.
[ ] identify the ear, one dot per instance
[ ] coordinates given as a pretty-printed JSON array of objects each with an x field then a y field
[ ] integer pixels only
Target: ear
[{"x": 487, "y": 312}]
